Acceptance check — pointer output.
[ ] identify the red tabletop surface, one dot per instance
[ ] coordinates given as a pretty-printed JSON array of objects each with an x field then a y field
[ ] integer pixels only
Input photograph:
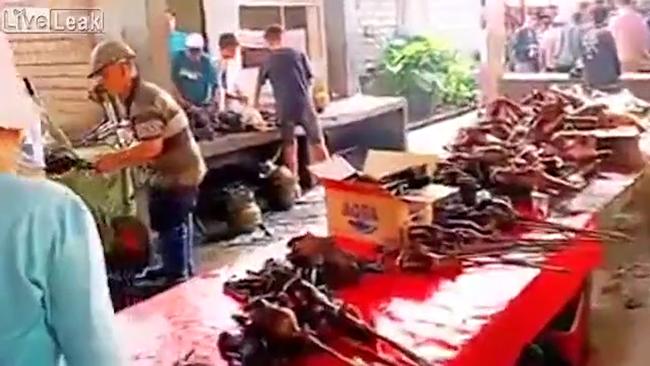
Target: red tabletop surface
[{"x": 482, "y": 316}]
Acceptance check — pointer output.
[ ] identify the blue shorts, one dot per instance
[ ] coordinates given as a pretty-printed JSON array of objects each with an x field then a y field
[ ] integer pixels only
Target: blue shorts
[{"x": 306, "y": 118}]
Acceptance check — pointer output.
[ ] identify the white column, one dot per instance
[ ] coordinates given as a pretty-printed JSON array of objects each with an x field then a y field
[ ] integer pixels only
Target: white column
[
  {"x": 221, "y": 16},
  {"x": 414, "y": 16},
  {"x": 496, "y": 44},
  {"x": 159, "y": 62}
]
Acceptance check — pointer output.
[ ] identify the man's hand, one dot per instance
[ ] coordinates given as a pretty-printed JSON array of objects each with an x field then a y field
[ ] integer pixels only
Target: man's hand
[
  {"x": 108, "y": 163},
  {"x": 97, "y": 93}
]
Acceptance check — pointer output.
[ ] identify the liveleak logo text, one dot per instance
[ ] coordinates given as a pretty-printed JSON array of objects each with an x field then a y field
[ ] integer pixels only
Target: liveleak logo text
[{"x": 51, "y": 20}]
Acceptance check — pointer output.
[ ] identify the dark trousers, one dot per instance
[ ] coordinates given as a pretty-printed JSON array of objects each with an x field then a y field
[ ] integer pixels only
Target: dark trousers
[{"x": 171, "y": 217}]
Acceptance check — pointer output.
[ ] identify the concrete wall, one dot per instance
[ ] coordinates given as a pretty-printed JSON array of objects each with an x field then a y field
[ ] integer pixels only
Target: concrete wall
[
  {"x": 188, "y": 14},
  {"x": 343, "y": 39},
  {"x": 377, "y": 22},
  {"x": 456, "y": 21},
  {"x": 58, "y": 63}
]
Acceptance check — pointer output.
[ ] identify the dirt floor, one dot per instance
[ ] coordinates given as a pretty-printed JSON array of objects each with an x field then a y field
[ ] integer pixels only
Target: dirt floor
[{"x": 617, "y": 333}]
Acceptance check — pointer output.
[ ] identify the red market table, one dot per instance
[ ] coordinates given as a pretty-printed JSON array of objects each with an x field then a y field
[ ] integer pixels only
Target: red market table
[{"x": 482, "y": 316}]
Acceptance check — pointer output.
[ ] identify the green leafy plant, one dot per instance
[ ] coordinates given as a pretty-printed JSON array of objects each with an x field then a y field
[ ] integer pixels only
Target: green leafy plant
[{"x": 430, "y": 66}]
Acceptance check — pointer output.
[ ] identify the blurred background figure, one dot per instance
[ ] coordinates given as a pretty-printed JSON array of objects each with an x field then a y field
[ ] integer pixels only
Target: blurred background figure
[
  {"x": 32, "y": 162},
  {"x": 176, "y": 41},
  {"x": 525, "y": 47},
  {"x": 233, "y": 98},
  {"x": 197, "y": 86},
  {"x": 632, "y": 37},
  {"x": 549, "y": 46},
  {"x": 56, "y": 308},
  {"x": 544, "y": 24},
  {"x": 569, "y": 45},
  {"x": 602, "y": 67}
]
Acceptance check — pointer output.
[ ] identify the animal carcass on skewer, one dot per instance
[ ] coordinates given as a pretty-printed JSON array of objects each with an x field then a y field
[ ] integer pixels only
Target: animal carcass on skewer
[
  {"x": 506, "y": 109},
  {"x": 338, "y": 268},
  {"x": 342, "y": 317},
  {"x": 414, "y": 257},
  {"x": 590, "y": 110},
  {"x": 279, "y": 327},
  {"x": 525, "y": 179},
  {"x": 573, "y": 100},
  {"x": 613, "y": 120},
  {"x": 579, "y": 148},
  {"x": 547, "y": 121},
  {"x": 582, "y": 122}
]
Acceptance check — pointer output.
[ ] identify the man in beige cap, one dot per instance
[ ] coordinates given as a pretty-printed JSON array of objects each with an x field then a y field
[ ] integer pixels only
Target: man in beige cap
[
  {"x": 165, "y": 143},
  {"x": 55, "y": 302}
]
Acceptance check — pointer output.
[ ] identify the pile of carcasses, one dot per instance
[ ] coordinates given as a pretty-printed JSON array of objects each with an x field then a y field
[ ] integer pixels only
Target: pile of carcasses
[
  {"x": 290, "y": 310},
  {"x": 535, "y": 145},
  {"x": 543, "y": 143}
]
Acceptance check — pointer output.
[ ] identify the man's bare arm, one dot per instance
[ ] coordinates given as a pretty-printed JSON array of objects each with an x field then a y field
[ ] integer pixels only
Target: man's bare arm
[{"x": 138, "y": 155}]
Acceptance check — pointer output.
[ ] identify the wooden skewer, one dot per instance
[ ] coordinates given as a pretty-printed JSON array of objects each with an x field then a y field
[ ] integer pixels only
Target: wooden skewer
[
  {"x": 369, "y": 352},
  {"x": 588, "y": 232},
  {"x": 419, "y": 361},
  {"x": 522, "y": 263},
  {"x": 318, "y": 343}
]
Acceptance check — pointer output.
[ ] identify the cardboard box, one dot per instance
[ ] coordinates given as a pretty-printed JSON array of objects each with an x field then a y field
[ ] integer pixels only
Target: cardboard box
[{"x": 359, "y": 208}]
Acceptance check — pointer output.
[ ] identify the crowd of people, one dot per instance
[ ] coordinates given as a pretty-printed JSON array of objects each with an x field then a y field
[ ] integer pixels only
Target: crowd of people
[
  {"x": 598, "y": 41},
  {"x": 204, "y": 86}
]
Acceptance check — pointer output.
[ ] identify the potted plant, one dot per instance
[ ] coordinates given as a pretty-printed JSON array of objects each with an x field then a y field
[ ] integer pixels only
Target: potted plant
[{"x": 426, "y": 72}]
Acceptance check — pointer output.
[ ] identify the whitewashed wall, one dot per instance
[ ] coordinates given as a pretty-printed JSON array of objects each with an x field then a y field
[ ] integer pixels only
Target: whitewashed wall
[
  {"x": 455, "y": 20},
  {"x": 377, "y": 23}
]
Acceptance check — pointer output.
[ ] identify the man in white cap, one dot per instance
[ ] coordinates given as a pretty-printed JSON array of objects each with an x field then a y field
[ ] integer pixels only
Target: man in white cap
[
  {"x": 56, "y": 305},
  {"x": 196, "y": 80}
]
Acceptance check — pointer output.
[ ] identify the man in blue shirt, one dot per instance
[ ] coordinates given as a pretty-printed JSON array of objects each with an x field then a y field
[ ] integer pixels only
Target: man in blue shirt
[
  {"x": 55, "y": 302},
  {"x": 290, "y": 75},
  {"x": 196, "y": 80}
]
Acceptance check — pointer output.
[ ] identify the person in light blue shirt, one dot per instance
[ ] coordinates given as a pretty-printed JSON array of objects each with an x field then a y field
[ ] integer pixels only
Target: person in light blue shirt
[{"x": 55, "y": 306}]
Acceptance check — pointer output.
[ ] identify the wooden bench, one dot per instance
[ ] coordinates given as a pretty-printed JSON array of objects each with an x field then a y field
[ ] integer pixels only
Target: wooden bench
[{"x": 361, "y": 122}]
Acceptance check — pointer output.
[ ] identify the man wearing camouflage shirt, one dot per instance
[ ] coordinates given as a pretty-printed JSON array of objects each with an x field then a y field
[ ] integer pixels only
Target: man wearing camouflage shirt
[{"x": 165, "y": 143}]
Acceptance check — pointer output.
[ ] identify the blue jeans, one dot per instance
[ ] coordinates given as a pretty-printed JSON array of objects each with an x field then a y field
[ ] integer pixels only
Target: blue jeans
[{"x": 171, "y": 217}]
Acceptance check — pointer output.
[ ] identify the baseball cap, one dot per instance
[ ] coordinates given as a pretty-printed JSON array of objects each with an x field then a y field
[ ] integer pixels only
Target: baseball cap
[
  {"x": 17, "y": 110},
  {"x": 108, "y": 52},
  {"x": 194, "y": 40}
]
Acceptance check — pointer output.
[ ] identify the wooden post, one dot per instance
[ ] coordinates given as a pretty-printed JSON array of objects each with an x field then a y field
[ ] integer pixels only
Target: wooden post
[
  {"x": 496, "y": 44},
  {"x": 221, "y": 16},
  {"x": 158, "y": 44},
  {"x": 342, "y": 40}
]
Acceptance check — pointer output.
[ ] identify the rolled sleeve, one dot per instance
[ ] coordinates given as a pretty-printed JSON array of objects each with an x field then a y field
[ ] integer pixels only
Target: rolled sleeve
[
  {"x": 82, "y": 316},
  {"x": 149, "y": 126}
]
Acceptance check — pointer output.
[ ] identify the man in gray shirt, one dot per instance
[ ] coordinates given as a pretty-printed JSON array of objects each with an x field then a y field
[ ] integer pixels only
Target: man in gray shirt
[{"x": 290, "y": 75}]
